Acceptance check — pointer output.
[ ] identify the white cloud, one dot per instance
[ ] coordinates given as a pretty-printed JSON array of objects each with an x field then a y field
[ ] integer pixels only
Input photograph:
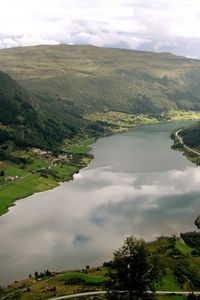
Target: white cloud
[{"x": 162, "y": 25}]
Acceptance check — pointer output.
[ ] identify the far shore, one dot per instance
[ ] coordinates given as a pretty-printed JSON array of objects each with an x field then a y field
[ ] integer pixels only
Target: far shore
[{"x": 38, "y": 178}]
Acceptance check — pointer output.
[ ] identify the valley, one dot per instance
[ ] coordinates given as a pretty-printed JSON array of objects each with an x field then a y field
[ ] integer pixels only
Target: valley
[
  {"x": 102, "y": 117},
  {"x": 123, "y": 189},
  {"x": 30, "y": 170}
]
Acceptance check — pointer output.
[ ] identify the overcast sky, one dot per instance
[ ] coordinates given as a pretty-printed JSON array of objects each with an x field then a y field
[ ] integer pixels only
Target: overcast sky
[{"x": 156, "y": 25}]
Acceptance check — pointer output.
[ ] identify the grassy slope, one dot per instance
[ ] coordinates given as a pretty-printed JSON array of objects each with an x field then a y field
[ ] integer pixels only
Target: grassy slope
[
  {"x": 22, "y": 125},
  {"x": 191, "y": 135},
  {"x": 32, "y": 183},
  {"x": 25, "y": 120},
  {"x": 65, "y": 282},
  {"x": 185, "y": 249},
  {"x": 19, "y": 120},
  {"x": 23, "y": 188},
  {"x": 39, "y": 174},
  {"x": 102, "y": 79}
]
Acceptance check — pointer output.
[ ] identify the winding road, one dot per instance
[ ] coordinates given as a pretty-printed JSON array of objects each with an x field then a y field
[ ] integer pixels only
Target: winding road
[
  {"x": 159, "y": 293},
  {"x": 184, "y": 145}
]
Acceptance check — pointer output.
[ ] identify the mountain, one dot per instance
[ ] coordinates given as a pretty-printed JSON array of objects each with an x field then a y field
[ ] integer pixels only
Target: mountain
[
  {"x": 25, "y": 122},
  {"x": 19, "y": 120},
  {"x": 50, "y": 89},
  {"x": 15, "y": 108},
  {"x": 81, "y": 79}
]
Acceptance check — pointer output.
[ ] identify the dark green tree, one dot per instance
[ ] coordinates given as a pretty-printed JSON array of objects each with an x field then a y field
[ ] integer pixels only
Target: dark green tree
[
  {"x": 2, "y": 173},
  {"x": 1, "y": 291},
  {"x": 197, "y": 222},
  {"x": 134, "y": 271},
  {"x": 193, "y": 297}
]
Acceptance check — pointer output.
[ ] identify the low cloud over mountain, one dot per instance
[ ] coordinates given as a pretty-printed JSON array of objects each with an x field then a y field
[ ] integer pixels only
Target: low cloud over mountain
[{"x": 163, "y": 25}]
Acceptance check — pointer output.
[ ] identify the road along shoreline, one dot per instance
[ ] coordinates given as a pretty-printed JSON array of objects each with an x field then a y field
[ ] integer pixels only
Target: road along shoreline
[{"x": 183, "y": 144}]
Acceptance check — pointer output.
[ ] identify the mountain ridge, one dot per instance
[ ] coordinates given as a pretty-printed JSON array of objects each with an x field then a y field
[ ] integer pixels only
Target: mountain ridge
[
  {"x": 89, "y": 78},
  {"x": 60, "y": 85}
]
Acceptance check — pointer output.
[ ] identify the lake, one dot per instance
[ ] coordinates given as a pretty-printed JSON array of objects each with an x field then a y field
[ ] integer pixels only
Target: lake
[{"x": 135, "y": 185}]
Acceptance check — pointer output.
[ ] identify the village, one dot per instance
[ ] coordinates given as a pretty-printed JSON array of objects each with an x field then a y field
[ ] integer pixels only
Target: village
[{"x": 52, "y": 161}]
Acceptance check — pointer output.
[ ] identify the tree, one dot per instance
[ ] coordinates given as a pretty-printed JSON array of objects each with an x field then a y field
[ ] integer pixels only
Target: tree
[
  {"x": 192, "y": 297},
  {"x": 1, "y": 291},
  {"x": 2, "y": 173},
  {"x": 87, "y": 267},
  {"x": 134, "y": 271},
  {"x": 197, "y": 222}
]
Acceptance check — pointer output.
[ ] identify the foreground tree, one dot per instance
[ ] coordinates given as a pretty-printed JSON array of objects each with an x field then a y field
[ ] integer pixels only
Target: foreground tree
[
  {"x": 134, "y": 271},
  {"x": 2, "y": 173},
  {"x": 197, "y": 222},
  {"x": 1, "y": 291}
]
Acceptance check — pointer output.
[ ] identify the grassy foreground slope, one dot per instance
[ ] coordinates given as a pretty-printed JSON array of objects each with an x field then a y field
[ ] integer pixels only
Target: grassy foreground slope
[
  {"x": 181, "y": 274},
  {"x": 87, "y": 78}
]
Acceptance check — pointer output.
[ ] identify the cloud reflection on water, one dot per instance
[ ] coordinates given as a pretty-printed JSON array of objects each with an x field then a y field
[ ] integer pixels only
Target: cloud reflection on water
[{"x": 81, "y": 222}]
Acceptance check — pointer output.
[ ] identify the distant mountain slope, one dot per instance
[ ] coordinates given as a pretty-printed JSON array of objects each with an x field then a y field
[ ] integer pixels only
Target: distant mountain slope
[
  {"x": 87, "y": 78},
  {"x": 25, "y": 121},
  {"x": 191, "y": 135},
  {"x": 19, "y": 121},
  {"x": 15, "y": 108}
]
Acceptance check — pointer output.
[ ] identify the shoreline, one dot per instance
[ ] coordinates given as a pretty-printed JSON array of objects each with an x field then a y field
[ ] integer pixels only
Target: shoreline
[
  {"x": 54, "y": 184},
  {"x": 184, "y": 148},
  {"x": 94, "y": 278},
  {"x": 38, "y": 182},
  {"x": 41, "y": 183},
  {"x": 156, "y": 126}
]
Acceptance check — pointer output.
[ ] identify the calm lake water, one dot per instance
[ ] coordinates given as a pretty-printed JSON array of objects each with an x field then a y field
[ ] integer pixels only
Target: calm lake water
[{"x": 135, "y": 185}]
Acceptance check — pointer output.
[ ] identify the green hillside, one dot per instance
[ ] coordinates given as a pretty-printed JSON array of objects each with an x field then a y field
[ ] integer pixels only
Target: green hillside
[
  {"x": 191, "y": 135},
  {"x": 180, "y": 262},
  {"x": 20, "y": 122},
  {"x": 26, "y": 124},
  {"x": 87, "y": 79},
  {"x": 26, "y": 121}
]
